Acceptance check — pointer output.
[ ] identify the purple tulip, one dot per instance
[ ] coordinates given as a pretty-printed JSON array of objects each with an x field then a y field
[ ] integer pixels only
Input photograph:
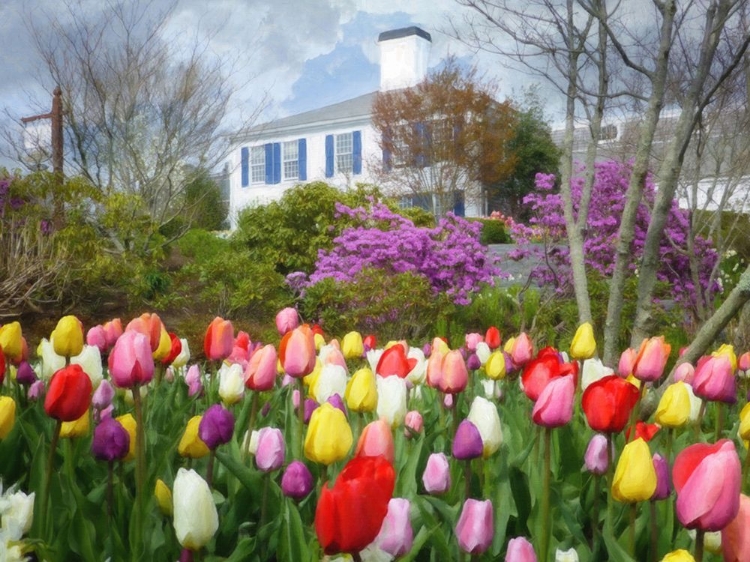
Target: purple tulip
[
  {"x": 427, "y": 349},
  {"x": 437, "y": 474},
  {"x": 111, "y": 440},
  {"x": 396, "y": 534},
  {"x": 520, "y": 550},
  {"x": 103, "y": 395},
  {"x": 663, "y": 488},
  {"x": 297, "y": 481},
  {"x": 475, "y": 528},
  {"x": 310, "y": 406},
  {"x": 596, "y": 458},
  {"x": 337, "y": 402},
  {"x": 36, "y": 390},
  {"x": 216, "y": 426},
  {"x": 25, "y": 374},
  {"x": 473, "y": 363},
  {"x": 467, "y": 444},
  {"x": 269, "y": 455}
]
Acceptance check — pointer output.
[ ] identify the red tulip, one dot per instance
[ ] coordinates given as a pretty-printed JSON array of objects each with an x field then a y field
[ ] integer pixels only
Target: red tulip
[
  {"x": 554, "y": 408},
  {"x": 370, "y": 342},
  {"x": 707, "y": 479},
  {"x": 608, "y": 402},
  {"x": 546, "y": 366},
  {"x": 735, "y": 537},
  {"x": 393, "y": 362},
  {"x": 297, "y": 352},
  {"x": 219, "y": 339},
  {"x": 492, "y": 338},
  {"x": 260, "y": 373},
  {"x": 69, "y": 394},
  {"x": 350, "y": 514},
  {"x": 174, "y": 350},
  {"x": 645, "y": 431}
]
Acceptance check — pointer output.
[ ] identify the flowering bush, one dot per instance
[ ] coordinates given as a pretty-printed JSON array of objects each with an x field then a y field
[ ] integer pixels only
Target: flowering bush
[{"x": 607, "y": 203}]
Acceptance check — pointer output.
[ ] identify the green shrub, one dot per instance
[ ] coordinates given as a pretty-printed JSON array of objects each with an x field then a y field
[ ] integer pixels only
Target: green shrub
[{"x": 493, "y": 232}]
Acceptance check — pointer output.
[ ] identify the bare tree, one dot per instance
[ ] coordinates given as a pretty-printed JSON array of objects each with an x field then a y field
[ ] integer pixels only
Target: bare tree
[{"x": 144, "y": 112}]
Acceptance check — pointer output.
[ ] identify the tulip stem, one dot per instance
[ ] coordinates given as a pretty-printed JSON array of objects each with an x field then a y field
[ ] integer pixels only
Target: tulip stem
[
  {"x": 467, "y": 479},
  {"x": 140, "y": 473},
  {"x": 595, "y": 514},
  {"x": 719, "y": 421},
  {"x": 699, "y": 421},
  {"x": 631, "y": 529},
  {"x": 210, "y": 468},
  {"x": 110, "y": 504},
  {"x": 251, "y": 423},
  {"x": 301, "y": 415},
  {"x": 48, "y": 477},
  {"x": 547, "y": 467},
  {"x": 654, "y": 530},
  {"x": 668, "y": 445},
  {"x": 699, "y": 545}
]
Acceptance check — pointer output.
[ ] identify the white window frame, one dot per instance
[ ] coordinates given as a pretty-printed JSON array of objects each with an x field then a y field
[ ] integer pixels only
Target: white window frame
[
  {"x": 290, "y": 160},
  {"x": 258, "y": 164},
  {"x": 344, "y": 153}
]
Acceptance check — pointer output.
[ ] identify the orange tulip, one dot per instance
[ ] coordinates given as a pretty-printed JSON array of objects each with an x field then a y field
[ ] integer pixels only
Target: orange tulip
[{"x": 219, "y": 339}]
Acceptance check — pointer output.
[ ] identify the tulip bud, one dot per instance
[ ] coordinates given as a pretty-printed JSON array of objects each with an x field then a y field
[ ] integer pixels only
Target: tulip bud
[
  {"x": 596, "y": 459},
  {"x": 684, "y": 372},
  {"x": 361, "y": 392},
  {"x": 473, "y": 363},
  {"x": 521, "y": 350},
  {"x": 437, "y": 474},
  {"x": 191, "y": 445},
  {"x": 483, "y": 414},
  {"x": 193, "y": 380},
  {"x": 67, "y": 337},
  {"x": 69, "y": 394},
  {"x": 297, "y": 481},
  {"x": 662, "y": 478},
  {"x": 392, "y": 399},
  {"x": 652, "y": 357},
  {"x": 286, "y": 320},
  {"x": 7, "y": 415},
  {"x": 583, "y": 345},
  {"x": 714, "y": 379},
  {"x": 90, "y": 360},
  {"x": 219, "y": 339},
  {"x": 680, "y": 555},
  {"x": 163, "y": 497},
  {"x": 483, "y": 352},
  {"x": 413, "y": 423},
  {"x": 76, "y": 428},
  {"x": 471, "y": 341},
  {"x": 593, "y": 370},
  {"x": 329, "y": 437},
  {"x": 297, "y": 352},
  {"x": 492, "y": 338},
  {"x": 396, "y": 535},
  {"x": 25, "y": 374},
  {"x": 195, "y": 516},
  {"x": 131, "y": 361},
  {"x": 127, "y": 421},
  {"x": 270, "y": 450},
  {"x": 569, "y": 555},
  {"x": 475, "y": 528},
  {"x": 231, "y": 384},
  {"x": 674, "y": 406},
  {"x": 216, "y": 426},
  {"x": 331, "y": 380},
  {"x": 352, "y": 345},
  {"x": 36, "y": 390},
  {"x": 51, "y": 361},
  {"x": 376, "y": 439},
  {"x": 635, "y": 476},
  {"x": 260, "y": 373},
  {"x": 554, "y": 407},
  {"x": 11, "y": 340},
  {"x": 97, "y": 337},
  {"x": 111, "y": 441},
  {"x": 520, "y": 550},
  {"x": 495, "y": 366},
  {"x": 467, "y": 443}
]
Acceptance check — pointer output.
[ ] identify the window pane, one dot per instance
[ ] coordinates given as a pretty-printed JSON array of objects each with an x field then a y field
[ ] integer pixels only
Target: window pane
[
  {"x": 344, "y": 153},
  {"x": 258, "y": 164},
  {"x": 290, "y": 159}
]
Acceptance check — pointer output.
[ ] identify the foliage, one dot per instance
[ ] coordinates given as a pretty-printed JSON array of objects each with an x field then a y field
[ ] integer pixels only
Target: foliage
[
  {"x": 204, "y": 204},
  {"x": 449, "y": 256},
  {"x": 493, "y": 231},
  {"x": 608, "y": 199}
]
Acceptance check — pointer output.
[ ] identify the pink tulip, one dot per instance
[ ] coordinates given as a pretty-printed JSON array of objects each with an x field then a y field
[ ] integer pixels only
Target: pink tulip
[
  {"x": 554, "y": 407},
  {"x": 596, "y": 459},
  {"x": 475, "y": 528},
  {"x": 707, "y": 479},
  {"x": 269, "y": 455},
  {"x": 297, "y": 352},
  {"x": 376, "y": 439},
  {"x": 413, "y": 423},
  {"x": 286, "y": 320},
  {"x": 447, "y": 372},
  {"x": 714, "y": 380},
  {"x": 627, "y": 362},
  {"x": 520, "y": 550},
  {"x": 735, "y": 537},
  {"x": 260, "y": 373},
  {"x": 97, "y": 337},
  {"x": 472, "y": 340},
  {"x": 522, "y": 350},
  {"x": 112, "y": 331},
  {"x": 193, "y": 380},
  {"x": 437, "y": 474},
  {"x": 131, "y": 362},
  {"x": 103, "y": 395},
  {"x": 651, "y": 359},
  {"x": 396, "y": 534},
  {"x": 743, "y": 362},
  {"x": 219, "y": 339},
  {"x": 685, "y": 373}
]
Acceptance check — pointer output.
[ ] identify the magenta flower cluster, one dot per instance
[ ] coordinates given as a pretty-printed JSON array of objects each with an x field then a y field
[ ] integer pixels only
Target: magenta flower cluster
[
  {"x": 606, "y": 207},
  {"x": 449, "y": 256}
]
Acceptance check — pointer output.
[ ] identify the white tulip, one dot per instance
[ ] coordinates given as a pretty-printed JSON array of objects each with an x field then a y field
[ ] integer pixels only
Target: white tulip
[
  {"x": 195, "y": 516},
  {"x": 183, "y": 357},
  {"x": 569, "y": 555},
  {"x": 593, "y": 370},
  {"x": 392, "y": 399},
  {"x": 483, "y": 352},
  {"x": 51, "y": 361},
  {"x": 332, "y": 380},
  {"x": 90, "y": 360},
  {"x": 231, "y": 383},
  {"x": 417, "y": 374},
  {"x": 483, "y": 414}
]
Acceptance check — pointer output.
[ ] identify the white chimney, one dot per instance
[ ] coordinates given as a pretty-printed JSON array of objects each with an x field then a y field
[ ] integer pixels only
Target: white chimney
[{"x": 403, "y": 57}]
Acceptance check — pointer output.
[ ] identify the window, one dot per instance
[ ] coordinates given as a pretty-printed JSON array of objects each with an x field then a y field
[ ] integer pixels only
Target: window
[
  {"x": 290, "y": 160},
  {"x": 344, "y": 153},
  {"x": 609, "y": 132},
  {"x": 258, "y": 164}
]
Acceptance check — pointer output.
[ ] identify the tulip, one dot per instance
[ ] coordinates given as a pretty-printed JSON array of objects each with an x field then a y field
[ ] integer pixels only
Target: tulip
[
  {"x": 735, "y": 537},
  {"x": 475, "y": 528},
  {"x": 112, "y": 331},
  {"x": 674, "y": 407},
  {"x": 18, "y": 515},
  {"x": 546, "y": 366},
  {"x": 520, "y": 550},
  {"x": 392, "y": 362},
  {"x": 392, "y": 399},
  {"x": 175, "y": 348},
  {"x": 131, "y": 362},
  {"x": 418, "y": 363},
  {"x": 11, "y": 340},
  {"x": 352, "y": 345},
  {"x": 297, "y": 481},
  {"x": 744, "y": 430},
  {"x": 521, "y": 350},
  {"x": 608, "y": 402},
  {"x": 329, "y": 437},
  {"x": 286, "y": 320},
  {"x": 231, "y": 384},
  {"x": 195, "y": 516},
  {"x": 51, "y": 361},
  {"x": 437, "y": 475},
  {"x": 69, "y": 394},
  {"x": 483, "y": 414},
  {"x": 67, "y": 337},
  {"x": 111, "y": 441},
  {"x": 330, "y": 381},
  {"x": 413, "y": 423},
  {"x": 150, "y": 325},
  {"x": 361, "y": 393},
  {"x": 163, "y": 497},
  {"x": 492, "y": 337},
  {"x": 97, "y": 337},
  {"x": 128, "y": 422},
  {"x": 193, "y": 380},
  {"x": 361, "y": 493},
  {"x": 652, "y": 357},
  {"x": 680, "y": 555},
  {"x": 635, "y": 476},
  {"x": 707, "y": 480},
  {"x": 467, "y": 443},
  {"x": 663, "y": 488},
  {"x": 297, "y": 352},
  {"x": 396, "y": 535},
  {"x": 569, "y": 555},
  {"x": 376, "y": 439},
  {"x": 219, "y": 339},
  {"x": 593, "y": 370},
  {"x": 596, "y": 458},
  {"x": 164, "y": 347},
  {"x": 7, "y": 415},
  {"x": 216, "y": 426},
  {"x": 714, "y": 379},
  {"x": 684, "y": 372},
  {"x": 495, "y": 366},
  {"x": 270, "y": 451},
  {"x": 583, "y": 345},
  {"x": 473, "y": 363},
  {"x": 554, "y": 407},
  {"x": 76, "y": 428},
  {"x": 645, "y": 431},
  {"x": 25, "y": 374},
  {"x": 36, "y": 390},
  {"x": 471, "y": 341},
  {"x": 483, "y": 352},
  {"x": 90, "y": 360},
  {"x": 260, "y": 373},
  {"x": 191, "y": 445}
]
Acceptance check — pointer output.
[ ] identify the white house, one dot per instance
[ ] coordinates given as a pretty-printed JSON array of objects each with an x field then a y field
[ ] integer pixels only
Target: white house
[{"x": 336, "y": 144}]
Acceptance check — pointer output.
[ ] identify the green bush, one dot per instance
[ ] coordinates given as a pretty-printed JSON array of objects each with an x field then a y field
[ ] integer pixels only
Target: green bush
[{"x": 493, "y": 232}]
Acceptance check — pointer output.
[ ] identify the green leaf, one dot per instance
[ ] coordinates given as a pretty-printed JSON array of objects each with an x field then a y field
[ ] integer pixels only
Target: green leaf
[
  {"x": 615, "y": 551},
  {"x": 292, "y": 544},
  {"x": 248, "y": 478}
]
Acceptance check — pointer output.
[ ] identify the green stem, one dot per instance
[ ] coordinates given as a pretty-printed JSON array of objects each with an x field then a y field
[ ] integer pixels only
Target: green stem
[
  {"x": 251, "y": 423},
  {"x": 610, "y": 480},
  {"x": 668, "y": 446},
  {"x": 595, "y": 514},
  {"x": 467, "y": 479},
  {"x": 44, "y": 503},
  {"x": 631, "y": 529},
  {"x": 699, "y": 545},
  {"x": 301, "y": 416},
  {"x": 110, "y": 507},
  {"x": 699, "y": 421},
  {"x": 719, "y": 421},
  {"x": 210, "y": 468},
  {"x": 654, "y": 530},
  {"x": 547, "y": 467},
  {"x": 140, "y": 463},
  {"x": 746, "y": 473}
]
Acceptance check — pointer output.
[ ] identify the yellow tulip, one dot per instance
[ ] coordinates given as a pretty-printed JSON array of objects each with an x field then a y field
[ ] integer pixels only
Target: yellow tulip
[
  {"x": 635, "y": 475},
  {"x": 165, "y": 345},
  {"x": 329, "y": 437},
  {"x": 361, "y": 392},
  {"x": 67, "y": 337},
  {"x": 312, "y": 379},
  {"x": 744, "y": 430},
  {"x": 319, "y": 340},
  {"x": 128, "y": 422},
  {"x": 508, "y": 347},
  {"x": 11, "y": 340},
  {"x": 77, "y": 428},
  {"x": 7, "y": 415},
  {"x": 727, "y": 351},
  {"x": 352, "y": 346},
  {"x": 163, "y": 497},
  {"x": 674, "y": 407},
  {"x": 191, "y": 445},
  {"x": 583, "y": 345},
  {"x": 495, "y": 366},
  {"x": 678, "y": 556}
]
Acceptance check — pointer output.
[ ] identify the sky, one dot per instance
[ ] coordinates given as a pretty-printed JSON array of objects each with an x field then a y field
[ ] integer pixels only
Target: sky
[{"x": 297, "y": 55}]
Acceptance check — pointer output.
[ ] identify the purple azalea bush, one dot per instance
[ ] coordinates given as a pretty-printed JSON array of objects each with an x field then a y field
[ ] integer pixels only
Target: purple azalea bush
[
  {"x": 449, "y": 256},
  {"x": 605, "y": 210}
]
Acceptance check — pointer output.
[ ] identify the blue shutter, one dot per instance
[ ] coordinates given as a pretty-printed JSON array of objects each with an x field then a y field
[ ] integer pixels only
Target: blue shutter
[
  {"x": 357, "y": 152},
  {"x": 329, "y": 156},
  {"x": 387, "y": 156},
  {"x": 420, "y": 152},
  {"x": 459, "y": 208},
  {"x": 276, "y": 162},
  {"x": 245, "y": 165},
  {"x": 269, "y": 163},
  {"x": 302, "y": 160}
]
